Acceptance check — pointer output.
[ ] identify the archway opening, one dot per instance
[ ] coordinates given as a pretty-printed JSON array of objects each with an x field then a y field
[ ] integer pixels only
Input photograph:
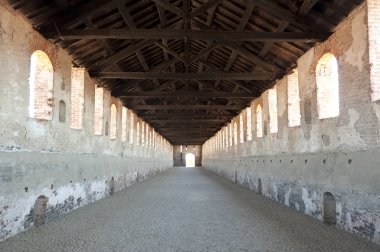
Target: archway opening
[
  {"x": 190, "y": 160},
  {"x": 329, "y": 208}
]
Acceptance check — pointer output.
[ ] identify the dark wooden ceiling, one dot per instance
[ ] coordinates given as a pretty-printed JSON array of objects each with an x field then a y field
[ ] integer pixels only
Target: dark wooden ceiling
[{"x": 186, "y": 66}]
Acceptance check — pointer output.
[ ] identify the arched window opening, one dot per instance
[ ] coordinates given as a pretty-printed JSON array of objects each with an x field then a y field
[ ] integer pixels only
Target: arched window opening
[
  {"x": 241, "y": 128},
  {"x": 249, "y": 124},
  {"x": 272, "y": 101},
  {"x": 329, "y": 208},
  {"x": 190, "y": 160},
  {"x": 62, "y": 111},
  {"x": 131, "y": 127},
  {"x": 113, "y": 122},
  {"x": 142, "y": 133},
  {"x": 294, "y": 109},
  {"x": 77, "y": 97},
  {"x": 327, "y": 86},
  {"x": 259, "y": 121},
  {"x": 41, "y": 86},
  {"x": 124, "y": 116},
  {"x": 230, "y": 134},
  {"x": 138, "y": 133},
  {"x": 98, "y": 112},
  {"x": 147, "y": 134},
  {"x": 235, "y": 129},
  {"x": 374, "y": 46}
]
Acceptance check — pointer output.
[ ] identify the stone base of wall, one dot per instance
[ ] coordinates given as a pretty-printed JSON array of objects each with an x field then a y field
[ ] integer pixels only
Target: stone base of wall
[
  {"x": 300, "y": 182},
  {"x": 37, "y": 187}
]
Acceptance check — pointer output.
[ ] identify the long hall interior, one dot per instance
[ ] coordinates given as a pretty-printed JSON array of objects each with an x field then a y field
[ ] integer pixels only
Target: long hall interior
[{"x": 190, "y": 125}]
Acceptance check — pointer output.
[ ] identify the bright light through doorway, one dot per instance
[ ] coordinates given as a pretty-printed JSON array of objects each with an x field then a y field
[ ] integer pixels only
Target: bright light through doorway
[{"x": 190, "y": 160}]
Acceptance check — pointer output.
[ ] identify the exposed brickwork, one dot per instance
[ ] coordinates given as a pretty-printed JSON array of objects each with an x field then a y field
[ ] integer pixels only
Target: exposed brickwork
[
  {"x": 41, "y": 86},
  {"x": 98, "y": 111},
  {"x": 272, "y": 102},
  {"x": 77, "y": 98},
  {"x": 113, "y": 122},
  {"x": 374, "y": 46},
  {"x": 294, "y": 111},
  {"x": 327, "y": 81},
  {"x": 124, "y": 124}
]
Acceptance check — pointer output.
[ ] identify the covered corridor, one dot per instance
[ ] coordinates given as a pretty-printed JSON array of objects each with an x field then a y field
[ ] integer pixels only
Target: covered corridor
[{"x": 186, "y": 209}]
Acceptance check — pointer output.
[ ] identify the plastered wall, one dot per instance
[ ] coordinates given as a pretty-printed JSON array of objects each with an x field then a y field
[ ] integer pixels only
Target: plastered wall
[
  {"x": 67, "y": 168},
  {"x": 340, "y": 155}
]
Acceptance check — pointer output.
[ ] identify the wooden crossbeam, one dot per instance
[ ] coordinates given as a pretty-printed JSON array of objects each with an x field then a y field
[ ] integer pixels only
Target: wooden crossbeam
[
  {"x": 191, "y": 34},
  {"x": 185, "y": 107},
  {"x": 193, "y": 94},
  {"x": 306, "y": 6},
  {"x": 168, "y": 6},
  {"x": 184, "y": 76},
  {"x": 209, "y": 4}
]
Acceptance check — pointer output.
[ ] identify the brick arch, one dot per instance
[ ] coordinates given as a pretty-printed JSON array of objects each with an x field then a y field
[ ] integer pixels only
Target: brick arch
[
  {"x": 327, "y": 83},
  {"x": 39, "y": 43},
  {"x": 333, "y": 46},
  {"x": 41, "y": 83}
]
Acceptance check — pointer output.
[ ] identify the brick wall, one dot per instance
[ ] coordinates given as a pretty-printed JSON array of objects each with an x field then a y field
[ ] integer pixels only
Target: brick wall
[
  {"x": 338, "y": 155},
  {"x": 77, "y": 97}
]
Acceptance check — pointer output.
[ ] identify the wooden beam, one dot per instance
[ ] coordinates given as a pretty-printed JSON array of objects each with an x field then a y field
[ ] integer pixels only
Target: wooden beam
[
  {"x": 168, "y": 6},
  {"x": 186, "y": 121},
  {"x": 63, "y": 4},
  {"x": 120, "y": 55},
  {"x": 191, "y": 34},
  {"x": 185, "y": 107},
  {"x": 184, "y": 76},
  {"x": 208, "y": 5},
  {"x": 192, "y": 94},
  {"x": 306, "y": 6}
]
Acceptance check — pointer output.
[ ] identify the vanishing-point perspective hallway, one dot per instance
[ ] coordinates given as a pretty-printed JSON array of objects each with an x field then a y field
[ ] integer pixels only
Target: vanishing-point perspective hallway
[{"x": 186, "y": 209}]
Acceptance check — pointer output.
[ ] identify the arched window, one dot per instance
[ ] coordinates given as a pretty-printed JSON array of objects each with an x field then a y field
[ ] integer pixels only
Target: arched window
[
  {"x": 62, "y": 111},
  {"x": 77, "y": 97},
  {"x": 272, "y": 101},
  {"x": 249, "y": 124},
  {"x": 113, "y": 122},
  {"x": 131, "y": 127},
  {"x": 41, "y": 86},
  {"x": 142, "y": 133},
  {"x": 241, "y": 128},
  {"x": 231, "y": 134},
  {"x": 124, "y": 115},
  {"x": 98, "y": 113},
  {"x": 235, "y": 129},
  {"x": 138, "y": 133},
  {"x": 259, "y": 121},
  {"x": 327, "y": 86},
  {"x": 294, "y": 110}
]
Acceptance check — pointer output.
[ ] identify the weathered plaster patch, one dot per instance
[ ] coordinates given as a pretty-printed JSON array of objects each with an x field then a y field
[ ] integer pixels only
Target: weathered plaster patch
[{"x": 355, "y": 54}]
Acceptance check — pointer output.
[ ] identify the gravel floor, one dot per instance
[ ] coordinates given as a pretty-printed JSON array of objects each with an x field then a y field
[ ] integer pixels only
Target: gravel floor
[{"x": 186, "y": 209}]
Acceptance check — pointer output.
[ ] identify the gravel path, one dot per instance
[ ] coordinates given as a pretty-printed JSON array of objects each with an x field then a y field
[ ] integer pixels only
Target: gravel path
[{"x": 186, "y": 209}]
